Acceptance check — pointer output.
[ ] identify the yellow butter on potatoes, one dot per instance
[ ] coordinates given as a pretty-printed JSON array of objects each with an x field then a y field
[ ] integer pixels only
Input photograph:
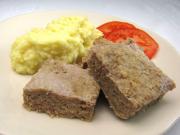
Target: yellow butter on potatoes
[{"x": 67, "y": 38}]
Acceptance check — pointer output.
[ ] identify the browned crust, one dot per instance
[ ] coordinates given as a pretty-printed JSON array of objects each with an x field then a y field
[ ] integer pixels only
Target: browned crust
[
  {"x": 62, "y": 90},
  {"x": 123, "y": 103},
  {"x": 57, "y": 106},
  {"x": 118, "y": 102}
]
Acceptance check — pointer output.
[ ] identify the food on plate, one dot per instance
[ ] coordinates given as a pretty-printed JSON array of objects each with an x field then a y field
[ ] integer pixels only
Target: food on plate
[
  {"x": 117, "y": 62},
  {"x": 103, "y": 41},
  {"x": 129, "y": 80},
  {"x": 142, "y": 39},
  {"x": 66, "y": 38},
  {"x": 62, "y": 90},
  {"x": 119, "y": 31},
  {"x": 108, "y": 27}
]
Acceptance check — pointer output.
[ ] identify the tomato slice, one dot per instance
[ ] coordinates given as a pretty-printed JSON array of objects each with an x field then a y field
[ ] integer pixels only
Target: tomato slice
[
  {"x": 142, "y": 39},
  {"x": 113, "y": 25}
]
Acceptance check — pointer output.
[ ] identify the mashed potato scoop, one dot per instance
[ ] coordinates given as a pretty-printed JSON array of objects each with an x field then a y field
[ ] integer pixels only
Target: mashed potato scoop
[{"x": 66, "y": 38}]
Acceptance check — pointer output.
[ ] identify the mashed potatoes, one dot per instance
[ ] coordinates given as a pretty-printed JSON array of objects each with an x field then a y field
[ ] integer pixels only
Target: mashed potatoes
[{"x": 67, "y": 38}]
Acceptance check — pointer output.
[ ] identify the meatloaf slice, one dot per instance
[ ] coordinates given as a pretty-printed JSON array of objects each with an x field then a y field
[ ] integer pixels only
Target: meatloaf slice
[
  {"x": 129, "y": 80},
  {"x": 62, "y": 90}
]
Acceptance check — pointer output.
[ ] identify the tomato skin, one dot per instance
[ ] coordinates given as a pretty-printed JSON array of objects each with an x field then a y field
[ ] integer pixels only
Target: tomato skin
[
  {"x": 117, "y": 31},
  {"x": 108, "y": 27},
  {"x": 142, "y": 39}
]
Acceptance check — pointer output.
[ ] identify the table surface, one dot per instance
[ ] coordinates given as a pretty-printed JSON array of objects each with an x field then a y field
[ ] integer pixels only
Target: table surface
[{"x": 160, "y": 16}]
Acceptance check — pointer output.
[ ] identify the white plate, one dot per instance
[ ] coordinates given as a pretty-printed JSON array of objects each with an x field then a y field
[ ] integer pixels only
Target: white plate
[{"x": 15, "y": 120}]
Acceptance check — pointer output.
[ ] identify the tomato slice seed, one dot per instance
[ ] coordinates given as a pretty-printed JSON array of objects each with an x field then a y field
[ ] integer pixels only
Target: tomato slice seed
[
  {"x": 142, "y": 39},
  {"x": 113, "y": 25},
  {"x": 117, "y": 31}
]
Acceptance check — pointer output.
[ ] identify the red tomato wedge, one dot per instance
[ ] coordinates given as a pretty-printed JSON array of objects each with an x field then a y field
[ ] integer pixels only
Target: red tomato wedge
[
  {"x": 113, "y": 25},
  {"x": 142, "y": 39}
]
